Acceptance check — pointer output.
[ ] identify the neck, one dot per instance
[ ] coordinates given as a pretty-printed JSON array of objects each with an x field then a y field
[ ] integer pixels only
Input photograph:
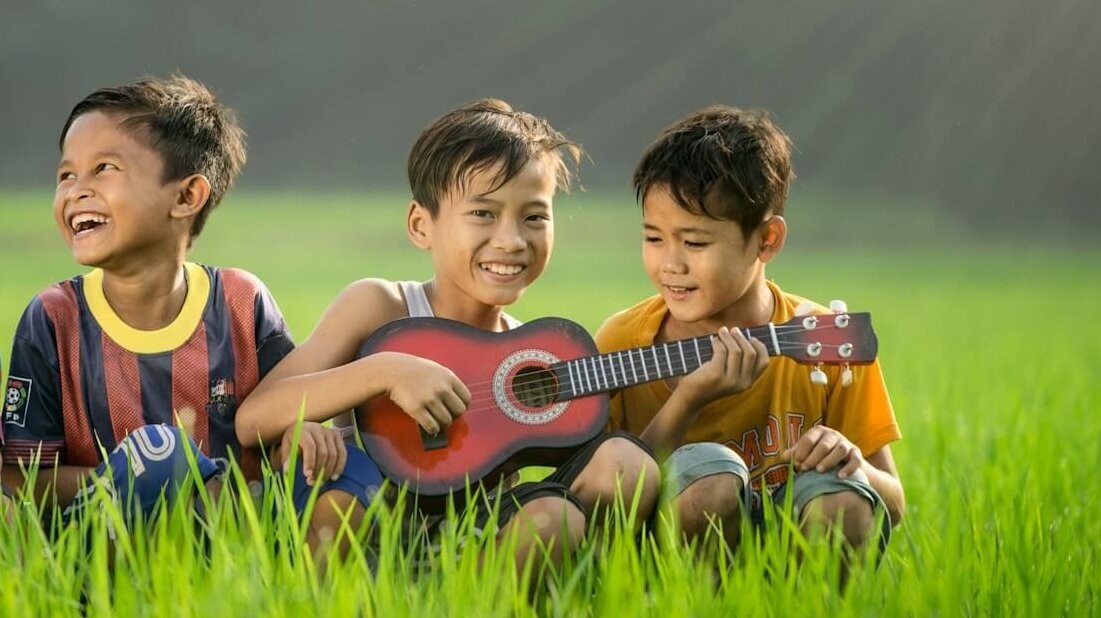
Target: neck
[
  {"x": 465, "y": 309},
  {"x": 149, "y": 298}
]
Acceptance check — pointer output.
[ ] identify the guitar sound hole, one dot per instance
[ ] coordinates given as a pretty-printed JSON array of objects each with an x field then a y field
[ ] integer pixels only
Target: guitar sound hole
[{"x": 535, "y": 387}]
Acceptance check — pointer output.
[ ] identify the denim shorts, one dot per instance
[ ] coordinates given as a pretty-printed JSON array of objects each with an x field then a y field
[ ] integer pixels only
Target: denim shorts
[{"x": 693, "y": 462}]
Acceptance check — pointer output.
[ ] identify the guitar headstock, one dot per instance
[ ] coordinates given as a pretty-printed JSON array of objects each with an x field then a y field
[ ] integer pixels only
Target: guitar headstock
[{"x": 839, "y": 338}]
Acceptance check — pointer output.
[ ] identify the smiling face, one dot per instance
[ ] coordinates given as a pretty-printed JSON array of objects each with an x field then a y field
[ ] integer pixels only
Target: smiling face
[
  {"x": 111, "y": 204},
  {"x": 709, "y": 273},
  {"x": 488, "y": 245}
]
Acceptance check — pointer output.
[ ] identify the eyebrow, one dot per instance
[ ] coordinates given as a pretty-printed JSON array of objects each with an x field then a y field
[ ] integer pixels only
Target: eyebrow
[
  {"x": 680, "y": 230},
  {"x": 111, "y": 154},
  {"x": 483, "y": 199}
]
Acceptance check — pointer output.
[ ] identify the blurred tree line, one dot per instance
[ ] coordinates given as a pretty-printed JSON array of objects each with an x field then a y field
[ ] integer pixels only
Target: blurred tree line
[{"x": 986, "y": 110}]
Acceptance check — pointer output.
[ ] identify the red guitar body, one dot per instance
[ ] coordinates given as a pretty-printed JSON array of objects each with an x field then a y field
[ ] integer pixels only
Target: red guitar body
[{"x": 498, "y": 433}]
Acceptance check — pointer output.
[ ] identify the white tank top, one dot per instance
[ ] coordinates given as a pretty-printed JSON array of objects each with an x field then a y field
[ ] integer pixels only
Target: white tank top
[{"x": 416, "y": 303}]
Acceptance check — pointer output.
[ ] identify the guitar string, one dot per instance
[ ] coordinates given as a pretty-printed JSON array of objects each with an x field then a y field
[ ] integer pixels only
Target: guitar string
[
  {"x": 648, "y": 367},
  {"x": 483, "y": 391}
]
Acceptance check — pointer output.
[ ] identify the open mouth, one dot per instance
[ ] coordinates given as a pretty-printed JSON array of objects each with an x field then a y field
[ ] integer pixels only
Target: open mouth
[
  {"x": 502, "y": 270},
  {"x": 86, "y": 223},
  {"x": 678, "y": 292}
]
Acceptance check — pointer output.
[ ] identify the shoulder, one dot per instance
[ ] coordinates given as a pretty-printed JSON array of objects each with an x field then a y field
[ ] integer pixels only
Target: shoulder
[
  {"x": 236, "y": 281},
  {"x": 631, "y": 326},
  {"x": 788, "y": 303},
  {"x": 363, "y": 306},
  {"x": 57, "y": 305}
]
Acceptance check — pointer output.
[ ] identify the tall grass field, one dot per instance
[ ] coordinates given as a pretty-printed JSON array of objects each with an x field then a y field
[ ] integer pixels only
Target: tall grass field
[{"x": 990, "y": 352}]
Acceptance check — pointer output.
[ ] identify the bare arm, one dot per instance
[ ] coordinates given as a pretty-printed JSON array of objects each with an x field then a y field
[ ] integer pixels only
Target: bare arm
[
  {"x": 55, "y": 486},
  {"x": 324, "y": 375},
  {"x": 883, "y": 477},
  {"x": 736, "y": 364}
]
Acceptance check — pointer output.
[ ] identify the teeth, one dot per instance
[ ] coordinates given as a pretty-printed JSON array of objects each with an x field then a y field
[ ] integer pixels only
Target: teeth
[
  {"x": 502, "y": 269},
  {"x": 86, "y": 218}
]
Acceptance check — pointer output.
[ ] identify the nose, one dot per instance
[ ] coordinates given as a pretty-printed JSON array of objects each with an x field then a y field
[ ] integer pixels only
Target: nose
[
  {"x": 672, "y": 261},
  {"x": 508, "y": 235},
  {"x": 78, "y": 191}
]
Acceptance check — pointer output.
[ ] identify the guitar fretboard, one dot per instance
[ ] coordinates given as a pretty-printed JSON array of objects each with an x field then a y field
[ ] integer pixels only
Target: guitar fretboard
[{"x": 615, "y": 370}]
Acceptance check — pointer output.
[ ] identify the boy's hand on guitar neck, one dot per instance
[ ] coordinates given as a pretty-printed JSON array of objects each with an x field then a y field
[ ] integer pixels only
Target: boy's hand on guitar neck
[
  {"x": 736, "y": 364},
  {"x": 425, "y": 390}
]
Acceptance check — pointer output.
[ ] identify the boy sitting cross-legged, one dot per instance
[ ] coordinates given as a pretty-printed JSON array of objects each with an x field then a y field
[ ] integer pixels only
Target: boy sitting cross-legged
[
  {"x": 483, "y": 179},
  {"x": 712, "y": 189},
  {"x": 110, "y": 361}
]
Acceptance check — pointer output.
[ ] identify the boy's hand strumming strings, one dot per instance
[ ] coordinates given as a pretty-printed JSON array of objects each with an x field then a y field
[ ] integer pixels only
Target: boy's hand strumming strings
[{"x": 427, "y": 391}]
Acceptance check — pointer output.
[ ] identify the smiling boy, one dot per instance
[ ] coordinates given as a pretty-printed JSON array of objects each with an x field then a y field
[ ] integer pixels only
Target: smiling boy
[
  {"x": 483, "y": 179},
  {"x": 713, "y": 187},
  {"x": 110, "y": 361}
]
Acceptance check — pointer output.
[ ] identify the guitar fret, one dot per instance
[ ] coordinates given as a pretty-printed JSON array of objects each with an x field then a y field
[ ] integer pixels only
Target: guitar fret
[
  {"x": 657, "y": 363},
  {"x": 696, "y": 342},
  {"x": 573, "y": 380},
  {"x": 634, "y": 373},
  {"x": 600, "y": 363},
  {"x": 680, "y": 347},
  {"x": 668, "y": 360},
  {"x": 588, "y": 383},
  {"x": 645, "y": 372}
]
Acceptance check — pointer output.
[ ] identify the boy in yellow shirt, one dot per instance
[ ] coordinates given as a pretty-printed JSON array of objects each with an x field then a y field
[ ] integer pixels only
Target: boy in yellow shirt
[{"x": 712, "y": 190}]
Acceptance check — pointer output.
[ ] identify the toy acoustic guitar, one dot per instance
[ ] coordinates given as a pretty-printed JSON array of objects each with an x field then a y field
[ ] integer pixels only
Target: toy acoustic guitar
[{"x": 540, "y": 390}]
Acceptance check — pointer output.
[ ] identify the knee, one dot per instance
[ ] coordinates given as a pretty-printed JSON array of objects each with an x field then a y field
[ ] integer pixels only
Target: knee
[
  {"x": 716, "y": 497},
  {"x": 622, "y": 464},
  {"x": 846, "y": 512},
  {"x": 554, "y": 521}
]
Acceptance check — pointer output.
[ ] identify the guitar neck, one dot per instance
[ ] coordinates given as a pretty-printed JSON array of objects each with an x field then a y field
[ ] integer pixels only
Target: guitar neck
[{"x": 608, "y": 372}]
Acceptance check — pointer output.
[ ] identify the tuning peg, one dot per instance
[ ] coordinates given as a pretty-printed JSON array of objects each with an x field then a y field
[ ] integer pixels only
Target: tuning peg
[
  {"x": 804, "y": 308},
  {"x": 839, "y": 306},
  {"x": 846, "y": 375},
  {"x": 817, "y": 376}
]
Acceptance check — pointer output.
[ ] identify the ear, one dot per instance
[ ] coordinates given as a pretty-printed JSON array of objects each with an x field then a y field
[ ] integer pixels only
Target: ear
[
  {"x": 773, "y": 234},
  {"x": 419, "y": 225},
  {"x": 192, "y": 195}
]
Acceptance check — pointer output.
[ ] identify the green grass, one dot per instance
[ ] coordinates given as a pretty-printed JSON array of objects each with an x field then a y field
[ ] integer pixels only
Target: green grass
[{"x": 988, "y": 351}]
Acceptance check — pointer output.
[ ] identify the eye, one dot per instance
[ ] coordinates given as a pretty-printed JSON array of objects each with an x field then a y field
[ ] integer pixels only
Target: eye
[
  {"x": 539, "y": 217},
  {"x": 63, "y": 176},
  {"x": 481, "y": 213},
  {"x": 651, "y": 239},
  {"x": 691, "y": 244},
  {"x": 106, "y": 166}
]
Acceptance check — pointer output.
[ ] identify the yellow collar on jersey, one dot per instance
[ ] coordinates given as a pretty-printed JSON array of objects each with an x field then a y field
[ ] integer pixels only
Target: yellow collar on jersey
[{"x": 164, "y": 339}]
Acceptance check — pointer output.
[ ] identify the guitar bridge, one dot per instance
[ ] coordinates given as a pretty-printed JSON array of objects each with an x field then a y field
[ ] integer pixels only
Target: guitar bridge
[{"x": 433, "y": 442}]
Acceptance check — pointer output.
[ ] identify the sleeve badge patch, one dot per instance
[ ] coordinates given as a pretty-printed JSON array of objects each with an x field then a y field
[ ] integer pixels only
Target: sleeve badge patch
[{"x": 17, "y": 394}]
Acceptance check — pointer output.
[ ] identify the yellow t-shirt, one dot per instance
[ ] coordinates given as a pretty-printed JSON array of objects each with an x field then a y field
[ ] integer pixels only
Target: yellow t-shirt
[{"x": 762, "y": 421}]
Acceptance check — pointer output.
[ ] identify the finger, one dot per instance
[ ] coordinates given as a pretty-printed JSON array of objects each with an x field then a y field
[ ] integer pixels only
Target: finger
[
  {"x": 324, "y": 456},
  {"x": 806, "y": 444},
  {"x": 718, "y": 352},
  {"x": 747, "y": 357},
  {"x": 856, "y": 459},
  {"x": 821, "y": 449},
  {"x": 454, "y": 403},
  {"x": 425, "y": 419},
  {"x": 761, "y": 361},
  {"x": 307, "y": 451},
  {"x": 439, "y": 412},
  {"x": 733, "y": 355},
  {"x": 341, "y": 456},
  {"x": 461, "y": 390},
  {"x": 838, "y": 454}
]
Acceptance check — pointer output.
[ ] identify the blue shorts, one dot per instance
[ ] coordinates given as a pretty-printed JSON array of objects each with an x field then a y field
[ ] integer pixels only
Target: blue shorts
[
  {"x": 149, "y": 464},
  {"x": 361, "y": 478}
]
